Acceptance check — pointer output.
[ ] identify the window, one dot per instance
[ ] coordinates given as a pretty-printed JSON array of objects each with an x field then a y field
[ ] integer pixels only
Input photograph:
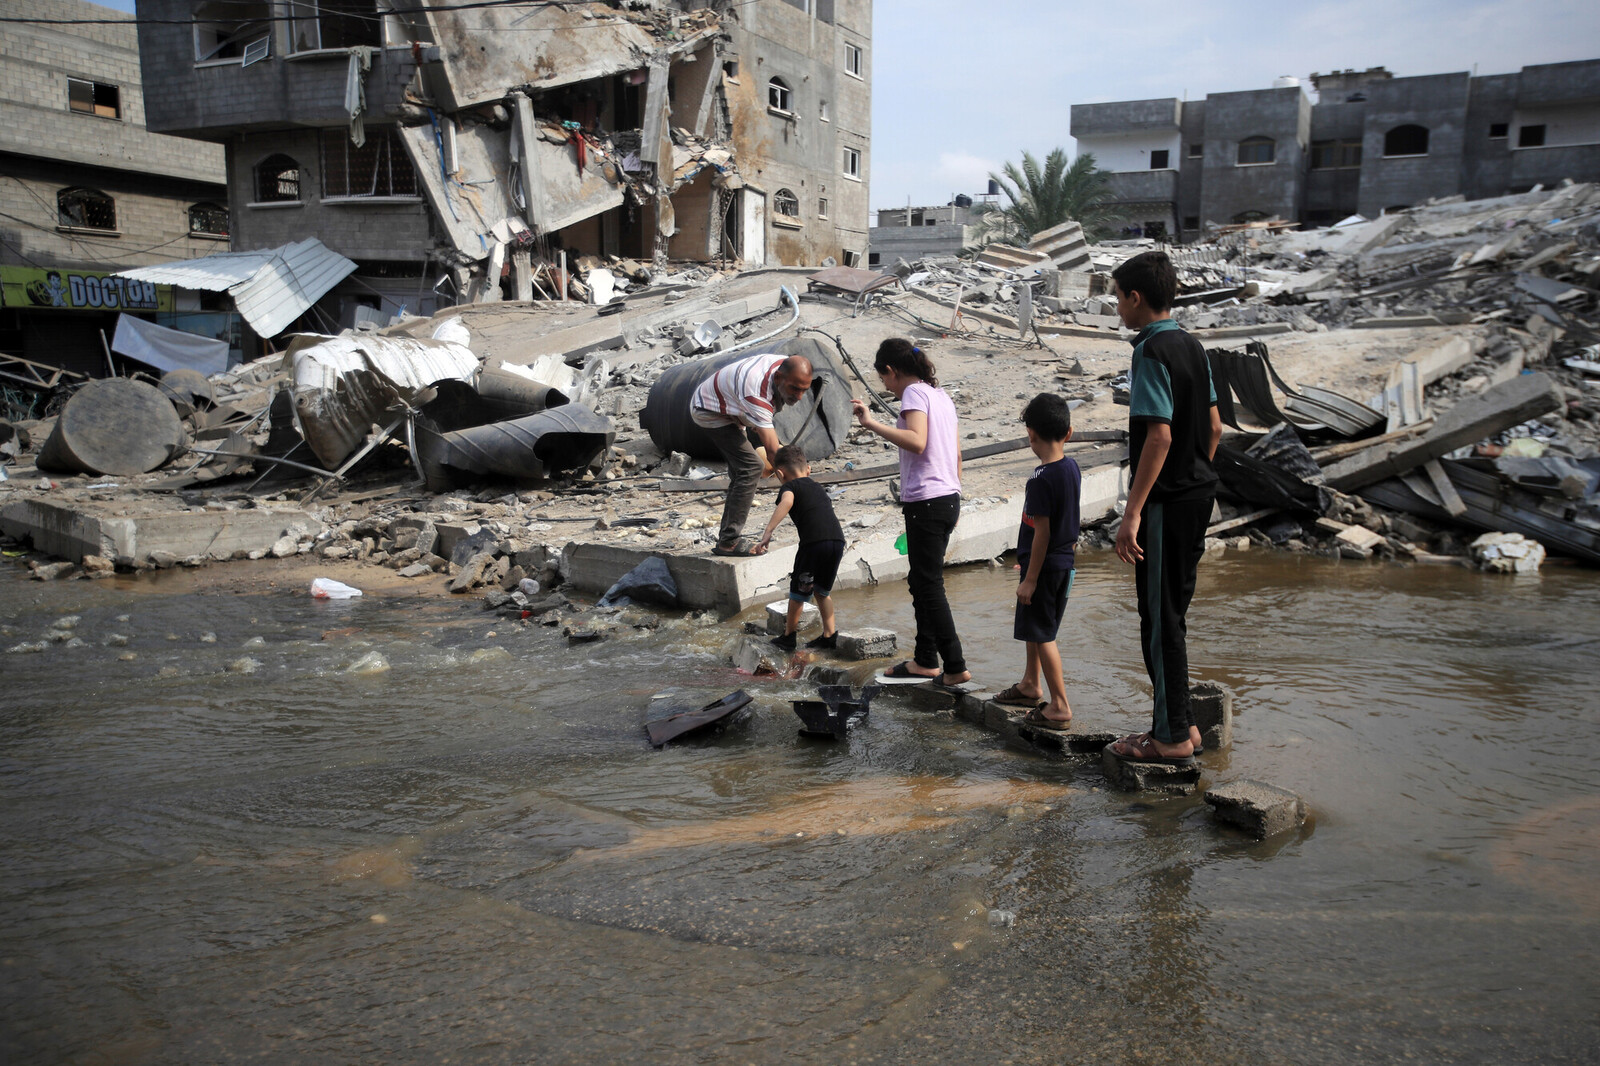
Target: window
[
  {"x": 822, "y": 207},
  {"x": 874, "y": 258},
  {"x": 851, "y": 258},
  {"x": 1335, "y": 155},
  {"x": 277, "y": 180},
  {"x": 786, "y": 203},
  {"x": 1498, "y": 130},
  {"x": 208, "y": 219},
  {"x": 223, "y": 29},
  {"x": 1406, "y": 140},
  {"x": 1158, "y": 159},
  {"x": 1530, "y": 136},
  {"x": 730, "y": 69},
  {"x": 852, "y": 164},
  {"x": 1191, "y": 221},
  {"x": 1157, "y": 230},
  {"x": 1197, "y": 151},
  {"x": 824, "y": 112},
  {"x": 380, "y": 167},
  {"x": 93, "y": 98},
  {"x": 852, "y": 60},
  {"x": 1254, "y": 151},
  {"x": 778, "y": 95},
  {"x": 318, "y": 24},
  {"x": 85, "y": 209}
]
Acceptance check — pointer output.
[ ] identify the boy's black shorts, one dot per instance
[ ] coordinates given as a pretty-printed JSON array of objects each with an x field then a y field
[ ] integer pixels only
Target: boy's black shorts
[
  {"x": 1037, "y": 622},
  {"x": 816, "y": 565}
]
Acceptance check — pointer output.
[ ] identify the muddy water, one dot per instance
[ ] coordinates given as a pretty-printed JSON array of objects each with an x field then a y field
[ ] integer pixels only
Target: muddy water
[{"x": 475, "y": 856}]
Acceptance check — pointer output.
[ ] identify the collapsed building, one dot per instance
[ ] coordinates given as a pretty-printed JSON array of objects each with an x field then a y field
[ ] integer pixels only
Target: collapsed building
[{"x": 469, "y": 153}]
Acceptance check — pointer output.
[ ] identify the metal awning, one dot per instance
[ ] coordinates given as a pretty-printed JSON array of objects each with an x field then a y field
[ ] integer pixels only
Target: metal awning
[{"x": 271, "y": 287}]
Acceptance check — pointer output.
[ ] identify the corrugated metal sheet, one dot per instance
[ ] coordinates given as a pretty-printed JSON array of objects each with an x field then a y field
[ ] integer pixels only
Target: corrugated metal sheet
[{"x": 271, "y": 287}]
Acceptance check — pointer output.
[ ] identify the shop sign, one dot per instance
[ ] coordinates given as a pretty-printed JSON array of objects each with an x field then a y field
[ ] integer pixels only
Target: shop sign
[{"x": 45, "y": 288}]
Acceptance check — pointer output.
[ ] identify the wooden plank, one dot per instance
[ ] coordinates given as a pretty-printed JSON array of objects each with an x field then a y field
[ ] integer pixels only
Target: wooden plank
[
  {"x": 1241, "y": 520},
  {"x": 1450, "y": 498},
  {"x": 1350, "y": 447}
]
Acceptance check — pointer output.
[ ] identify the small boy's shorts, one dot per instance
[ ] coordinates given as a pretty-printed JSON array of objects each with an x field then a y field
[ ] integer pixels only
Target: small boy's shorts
[
  {"x": 1037, "y": 622},
  {"x": 816, "y": 565}
]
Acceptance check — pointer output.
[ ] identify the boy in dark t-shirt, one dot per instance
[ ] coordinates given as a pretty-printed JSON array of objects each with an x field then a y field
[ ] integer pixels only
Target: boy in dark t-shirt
[
  {"x": 1173, "y": 431},
  {"x": 816, "y": 563},
  {"x": 1046, "y": 552}
]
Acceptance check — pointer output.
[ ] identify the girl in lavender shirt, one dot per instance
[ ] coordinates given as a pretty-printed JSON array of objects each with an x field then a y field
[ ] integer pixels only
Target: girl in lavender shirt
[{"x": 930, "y": 498}]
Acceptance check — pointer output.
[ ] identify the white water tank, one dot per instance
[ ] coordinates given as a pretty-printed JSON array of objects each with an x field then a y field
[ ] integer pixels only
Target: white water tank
[{"x": 1286, "y": 81}]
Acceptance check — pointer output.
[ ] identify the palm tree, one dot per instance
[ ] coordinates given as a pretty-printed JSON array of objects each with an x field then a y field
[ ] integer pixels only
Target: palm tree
[{"x": 1040, "y": 199}]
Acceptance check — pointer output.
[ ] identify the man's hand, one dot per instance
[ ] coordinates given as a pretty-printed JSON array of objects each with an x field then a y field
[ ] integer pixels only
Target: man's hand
[
  {"x": 1025, "y": 590},
  {"x": 761, "y": 546},
  {"x": 1128, "y": 549}
]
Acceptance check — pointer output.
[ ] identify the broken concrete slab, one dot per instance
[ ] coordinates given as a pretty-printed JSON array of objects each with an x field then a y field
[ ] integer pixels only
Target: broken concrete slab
[
  {"x": 1260, "y": 809},
  {"x": 1469, "y": 421},
  {"x": 127, "y": 532},
  {"x": 867, "y": 643},
  {"x": 778, "y": 617}
]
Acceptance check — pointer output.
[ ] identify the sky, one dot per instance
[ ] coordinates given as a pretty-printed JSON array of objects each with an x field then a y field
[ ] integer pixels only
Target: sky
[{"x": 961, "y": 87}]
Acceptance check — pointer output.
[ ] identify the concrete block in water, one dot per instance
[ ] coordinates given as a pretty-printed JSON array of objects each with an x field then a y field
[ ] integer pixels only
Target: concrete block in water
[
  {"x": 1256, "y": 807},
  {"x": 1212, "y": 707},
  {"x": 866, "y": 643},
  {"x": 1133, "y": 776},
  {"x": 778, "y": 617},
  {"x": 827, "y": 674},
  {"x": 928, "y": 697},
  {"x": 753, "y": 656}
]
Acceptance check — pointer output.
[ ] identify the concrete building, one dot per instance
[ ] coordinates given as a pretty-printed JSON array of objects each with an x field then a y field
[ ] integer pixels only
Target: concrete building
[
  {"x": 910, "y": 233},
  {"x": 87, "y": 189},
  {"x": 464, "y": 153},
  {"x": 1370, "y": 142}
]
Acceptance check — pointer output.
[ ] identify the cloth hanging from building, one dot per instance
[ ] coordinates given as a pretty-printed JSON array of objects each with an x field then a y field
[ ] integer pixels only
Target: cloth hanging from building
[
  {"x": 355, "y": 92},
  {"x": 168, "y": 349}
]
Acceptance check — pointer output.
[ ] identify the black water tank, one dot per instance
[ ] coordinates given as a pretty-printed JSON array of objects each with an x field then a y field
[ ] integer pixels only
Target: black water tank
[
  {"x": 963, "y": 200},
  {"x": 666, "y": 412}
]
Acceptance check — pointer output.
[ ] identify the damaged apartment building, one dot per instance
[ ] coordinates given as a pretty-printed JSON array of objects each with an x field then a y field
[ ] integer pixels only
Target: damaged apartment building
[
  {"x": 471, "y": 152},
  {"x": 1368, "y": 143}
]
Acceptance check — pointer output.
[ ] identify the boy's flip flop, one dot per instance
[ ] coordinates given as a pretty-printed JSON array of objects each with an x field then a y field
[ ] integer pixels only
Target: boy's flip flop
[
  {"x": 898, "y": 674},
  {"x": 739, "y": 549},
  {"x": 1015, "y": 697},
  {"x": 1037, "y": 719}
]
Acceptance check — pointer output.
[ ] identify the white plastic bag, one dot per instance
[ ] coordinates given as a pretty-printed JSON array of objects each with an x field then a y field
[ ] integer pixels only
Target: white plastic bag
[{"x": 325, "y": 588}]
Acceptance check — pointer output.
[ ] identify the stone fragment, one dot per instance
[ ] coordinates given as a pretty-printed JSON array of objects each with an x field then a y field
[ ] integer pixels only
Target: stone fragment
[
  {"x": 244, "y": 665},
  {"x": 751, "y": 656},
  {"x": 778, "y": 617},
  {"x": 1258, "y": 808},
  {"x": 98, "y": 566},
  {"x": 495, "y": 598},
  {"x": 1211, "y": 705},
  {"x": 1506, "y": 553},
  {"x": 69, "y": 621},
  {"x": 1133, "y": 776},
  {"x": 369, "y": 664},
  {"x": 52, "y": 571},
  {"x": 866, "y": 644},
  {"x": 472, "y": 573},
  {"x": 415, "y": 570}
]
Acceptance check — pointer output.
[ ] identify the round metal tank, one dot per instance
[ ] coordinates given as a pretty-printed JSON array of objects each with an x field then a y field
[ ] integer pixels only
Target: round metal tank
[
  {"x": 113, "y": 426},
  {"x": 666, "y": 412}
]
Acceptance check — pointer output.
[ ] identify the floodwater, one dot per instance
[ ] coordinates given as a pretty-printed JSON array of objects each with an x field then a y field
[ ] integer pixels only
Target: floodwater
[{"x": 476, "y": 857}]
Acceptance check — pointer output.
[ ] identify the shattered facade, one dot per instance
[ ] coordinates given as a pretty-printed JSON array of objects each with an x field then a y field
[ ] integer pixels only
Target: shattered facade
[
  {"x": 89, "y": 188},
  {"x": 479, "y": 153},
  {"x": 910, "y": 233},
  {"x": 1369, "y": 143}
]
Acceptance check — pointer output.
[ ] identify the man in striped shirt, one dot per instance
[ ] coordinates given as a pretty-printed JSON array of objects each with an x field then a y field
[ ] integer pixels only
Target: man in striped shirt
[{"x": 735, "y": 407}]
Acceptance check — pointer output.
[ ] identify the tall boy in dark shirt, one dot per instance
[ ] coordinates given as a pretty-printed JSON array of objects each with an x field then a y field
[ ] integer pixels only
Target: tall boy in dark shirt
[
  {"x": 1173, "y": 432},
  {"x": 816, "y": 563}
]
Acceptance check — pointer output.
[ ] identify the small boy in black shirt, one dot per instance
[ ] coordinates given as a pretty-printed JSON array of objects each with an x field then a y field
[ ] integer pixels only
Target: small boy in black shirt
[
  {"x": 1046, "y": 553},
  {"x": 816, "y": 564}
]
